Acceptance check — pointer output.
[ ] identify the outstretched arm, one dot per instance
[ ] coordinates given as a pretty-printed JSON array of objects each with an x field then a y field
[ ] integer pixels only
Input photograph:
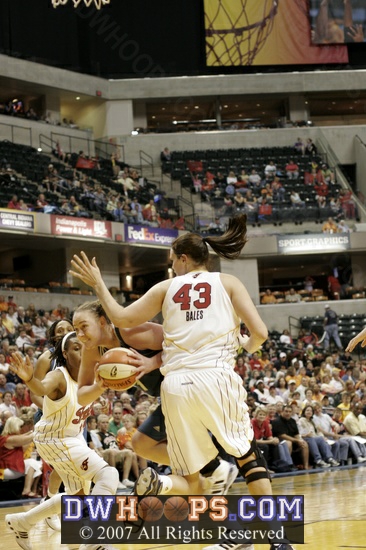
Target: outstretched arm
[
  {"x": 361, "y": 337},
  {"x": 137, "y": 313},
  {"x": 321, "y": 25}
]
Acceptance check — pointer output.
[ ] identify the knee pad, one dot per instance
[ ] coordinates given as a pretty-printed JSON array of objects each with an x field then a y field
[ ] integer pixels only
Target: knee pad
[
  {"x": 258, "y": 462},
  {"x": 106, "y": 481}
]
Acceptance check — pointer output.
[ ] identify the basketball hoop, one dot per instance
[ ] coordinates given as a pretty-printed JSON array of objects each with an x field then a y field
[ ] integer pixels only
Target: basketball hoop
[
  {"x": 234, "y": 37},
  {"x": 98, "y": 3}
]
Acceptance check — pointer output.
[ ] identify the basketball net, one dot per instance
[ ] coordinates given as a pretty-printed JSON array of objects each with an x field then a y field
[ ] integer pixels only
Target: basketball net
[
  {"x": 234, "y": 36},
  {"x": 98, "y": 3}
]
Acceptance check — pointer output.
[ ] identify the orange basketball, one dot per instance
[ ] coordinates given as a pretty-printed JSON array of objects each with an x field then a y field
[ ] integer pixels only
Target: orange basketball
[
  {"x": 176, "y": 509},
  {"x": 115, "y": 371},
  {"x": 150, "y": 509}
]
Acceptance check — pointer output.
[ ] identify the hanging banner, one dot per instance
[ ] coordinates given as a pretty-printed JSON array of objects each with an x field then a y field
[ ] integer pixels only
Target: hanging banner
[
  {"x": 18, "y": 220},
  {"x": 323, "y": 242},
  {"x": 81, "y": 227}
]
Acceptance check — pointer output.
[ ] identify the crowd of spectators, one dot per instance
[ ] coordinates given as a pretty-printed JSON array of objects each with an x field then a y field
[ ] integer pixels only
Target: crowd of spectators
[{"x": 299, "y": 396}]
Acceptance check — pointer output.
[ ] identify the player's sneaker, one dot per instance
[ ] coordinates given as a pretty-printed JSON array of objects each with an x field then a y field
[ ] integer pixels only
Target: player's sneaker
[
  {"x": 19, "y": 525},
  {"x": 53, "y": 522},
  {"x": 230, "y": 546},
  {"x": 127, "y": 483},
  {"x": 148, "y": 483},
  {"x": 221, "y": 479}
]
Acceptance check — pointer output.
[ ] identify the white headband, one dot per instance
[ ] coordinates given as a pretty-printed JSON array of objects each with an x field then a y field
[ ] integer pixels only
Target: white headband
[{"x": 65, "y": 338}]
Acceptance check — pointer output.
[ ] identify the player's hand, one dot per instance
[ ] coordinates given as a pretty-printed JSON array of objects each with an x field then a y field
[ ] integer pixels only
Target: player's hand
[
  {"x": 356, "y": 32},
  {"x": 361, "y": 337},
  {"x": 144, "y": 364},
  {"x": 86, "y": 270},
  {"x": 21, "y": 367}
]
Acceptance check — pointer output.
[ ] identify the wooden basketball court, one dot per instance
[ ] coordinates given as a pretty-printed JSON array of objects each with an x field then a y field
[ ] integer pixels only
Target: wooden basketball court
[{"x": 335, "y": 514}]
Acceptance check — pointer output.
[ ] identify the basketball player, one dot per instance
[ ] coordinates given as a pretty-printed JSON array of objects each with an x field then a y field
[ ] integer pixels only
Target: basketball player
[
  {"x": 59, "y": 439},
  {"x": 201, "y": 393},
  {"x": 98, "y": 334},
  {"x": 44, "y": 364}
]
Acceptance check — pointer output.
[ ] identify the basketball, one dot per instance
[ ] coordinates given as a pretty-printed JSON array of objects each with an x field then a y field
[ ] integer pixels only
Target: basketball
[
  {"x": 115, "y": 371},
  {"x": 176, "y": 509},
  {"x": 150, "y": 509}
]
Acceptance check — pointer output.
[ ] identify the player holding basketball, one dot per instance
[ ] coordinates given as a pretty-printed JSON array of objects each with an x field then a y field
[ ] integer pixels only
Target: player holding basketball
[
  {"x": 201, "y": 393},
  {"x": 59, "y": 438},
  {"x": 98, "y": 334}
]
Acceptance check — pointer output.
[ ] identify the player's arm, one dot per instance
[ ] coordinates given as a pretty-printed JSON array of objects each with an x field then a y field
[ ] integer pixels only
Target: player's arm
[
  {"x": 90, "y": 385},
  {"x": 321, "y": 24},
  {"x": 145, "y": 336},
  {"x": 41, "y": 368},
  {"x": 247, "y": 312},
  {"x": 53, "y": 385},
  {"x": 144, "y": 309}
]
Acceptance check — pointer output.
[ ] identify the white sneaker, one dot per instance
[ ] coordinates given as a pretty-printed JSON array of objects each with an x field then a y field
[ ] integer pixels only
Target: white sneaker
[
  {"x": 121, "y": 485},
  {"x": 53, "y": 522},
  {"x": 322, "y": 464},
  {"x": 333, "y": 462},
  {"x": 128, "y": 483},
  {"x": 21, "y": 528},
  {"x": 361, "y": 459},
  {"x": 221, "y": 479},
  {"x": 230, "y": 546}
]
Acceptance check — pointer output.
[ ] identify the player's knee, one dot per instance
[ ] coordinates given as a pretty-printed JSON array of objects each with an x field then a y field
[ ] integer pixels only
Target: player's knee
[
  {"x": 255, "y": 467},
  {"x": 106, "y": 480}
]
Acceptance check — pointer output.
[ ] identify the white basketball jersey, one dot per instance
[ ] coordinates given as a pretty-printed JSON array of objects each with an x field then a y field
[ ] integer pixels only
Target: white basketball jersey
[
  {"x": 64, "y": 417},
  {"x": 200, "y": 325}
]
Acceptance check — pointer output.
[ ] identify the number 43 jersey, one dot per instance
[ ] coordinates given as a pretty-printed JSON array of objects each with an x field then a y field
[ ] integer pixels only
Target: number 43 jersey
[{"x": 201, "y": 328}]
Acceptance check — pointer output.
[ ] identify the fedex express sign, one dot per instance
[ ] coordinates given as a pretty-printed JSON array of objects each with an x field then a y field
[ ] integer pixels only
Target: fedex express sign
[{"x": 150, "y": 235}]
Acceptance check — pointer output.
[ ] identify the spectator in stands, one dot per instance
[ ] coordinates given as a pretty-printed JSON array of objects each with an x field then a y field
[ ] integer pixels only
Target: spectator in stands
[
  {"x": 286, "y": 338},
  {"x": 239, "y": 201},
  {"x": 334, "y": 286},
  {"x": 311, "y": 148},
  {"x": 343, "y": 227},
  {"x": 278, "y": 191},
  {"x": 299, "y": 146},
  {"x": 116, "y": 422},
  {"x": 21, "y": 397},
  {"x": 13, "y": 204},
  {"x": 3, "y": 303},
  {"x": 355, "y": 422},
  {"x": 292, "y": 170},
  {"x": 319, "y": 448},
  {"x": 270, "y": 170},
  {"x": 285, "y": 428},
  {"x": 293, "y": 296},
  {"x": 24, "y": 340},
  {"x": 254, "y": 178},
  {"x": 268, "y": 297},
  {"x": 41, "y": 203},
  {"x": 150, "y": 213},
  {"x": 7, "y": 404},
  {"x": 329, "y": 226},
  {"x": 295, "y": 199},
  {"x": 165, "y": 155},
  {"x": 4, "y": 366},
  {"x": 348, "y": 203},
  {"x": 8, "y": 324}
]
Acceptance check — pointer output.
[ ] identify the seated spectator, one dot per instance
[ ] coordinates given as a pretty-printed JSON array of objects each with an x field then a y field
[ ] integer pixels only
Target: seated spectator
[
  {"x": 319, "y": 449},
  {"x": 150, "y": 213},
  {"x": 116, "y": 423},
  {"x": 329, "y": 429},
  {"x": 355, "y": 421},
  {"x": 4, "y": 365},
  {"x": 329, "y": 226},
  {"x": 343, "y": 227},
  {"x": 295, "y": 199},
  {"x": 111, "y": 452},
  {"x": 299, "y": 146},
  {"x": 270, "y": 170},
  {"x": 216, "y": 227},
  {"x": 165, "y": 155},
  {"x": 292, "y": 170},
  {"x": 8, "y": 325},
  {"x": 5, "y": 385},
  {"x": 124, "y": 438},
  {"x": 21, "y": 397},
  {"x": 24, "y": 340},
  {"x": 293, "y": 296},
  {"x": 260, "y": 392},
  {"x": 254, "y": 178},
  {"x": 231, "y": 178},
  {"x": 285, "y": 428},
  {"x": 119, "y": 213},
  {"x": 273, "y": 396},
  {"x": 7, "y": 404},
  {"x": 13, "y": 204},
  {"x": 310, "y": 147},
  {"x": 348, "y": 204},
  {"x": 357, "y": 449},
  {"x": 270, "y": 446},
  {"x": 268, "y": 298},
  {"x": 286, "y": 338},
  {"x": 12, "y": 460}
]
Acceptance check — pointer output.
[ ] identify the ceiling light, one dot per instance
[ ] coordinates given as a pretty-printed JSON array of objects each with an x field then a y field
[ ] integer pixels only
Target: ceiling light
[
  {"x": 258, "y": 104},
  {"x": 226, "y": 106},
  {"x": 153, "y": 116},
  {"x": 163, "y": 108},
  {"x": 196, "y": 106},
  {"x": 78, "y": 98}
]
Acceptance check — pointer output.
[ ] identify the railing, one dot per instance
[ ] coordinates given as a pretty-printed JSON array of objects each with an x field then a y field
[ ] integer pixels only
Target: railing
[
  {"x": 104, "y": 149},
  {"x": 14, "y": 128},
  {"x": 148, "y": 160},
  {"x": 100, "y": 148}
]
